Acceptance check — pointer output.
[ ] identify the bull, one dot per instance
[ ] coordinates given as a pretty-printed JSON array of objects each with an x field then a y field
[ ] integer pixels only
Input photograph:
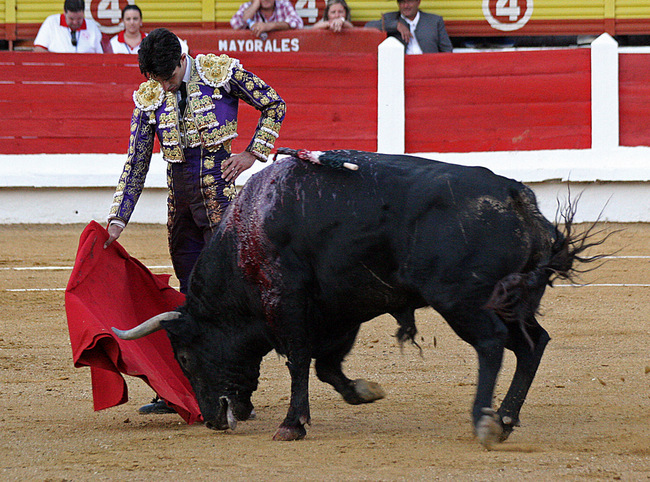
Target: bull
[{"x": 306, "y": 253}]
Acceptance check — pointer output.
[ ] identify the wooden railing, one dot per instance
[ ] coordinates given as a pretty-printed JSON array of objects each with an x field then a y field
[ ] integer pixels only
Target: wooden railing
[
  {"x": 459, "y": 102},
  {"x": 72, "y": 103}
]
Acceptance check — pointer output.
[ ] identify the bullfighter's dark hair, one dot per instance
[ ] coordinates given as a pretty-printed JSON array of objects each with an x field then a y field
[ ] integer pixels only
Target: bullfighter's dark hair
[
  {"x": 159, "y": 54},
  {"x": 131, "y": 7},
  {"x": 74, "y": 6}
]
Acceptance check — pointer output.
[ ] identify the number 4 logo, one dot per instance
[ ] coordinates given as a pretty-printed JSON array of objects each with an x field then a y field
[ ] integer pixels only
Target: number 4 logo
[
  {"x": 107, "y": 13},
  {"x": 507, "y": 15},
  {"x": 308, "y": 10},
  {"x": 508, "y": 8}
]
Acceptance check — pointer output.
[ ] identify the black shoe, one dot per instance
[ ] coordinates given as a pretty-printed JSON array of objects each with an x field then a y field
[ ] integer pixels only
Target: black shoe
[{"x": 156, "y": 407}]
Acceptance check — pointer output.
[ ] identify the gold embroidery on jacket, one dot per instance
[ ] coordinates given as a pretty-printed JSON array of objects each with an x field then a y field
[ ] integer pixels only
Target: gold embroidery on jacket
[
  {"x": 230, "y": 191},
  {"x": 205, "y": 120},
  {"x": 215, "y": 71},
  {"x": 149, "y": 95},
  {"x": 213, "y": 137},
  {"x": 202, "y": 104},
  {"x": 172, "y": 154},
  {"x": 170, "y": 138}
]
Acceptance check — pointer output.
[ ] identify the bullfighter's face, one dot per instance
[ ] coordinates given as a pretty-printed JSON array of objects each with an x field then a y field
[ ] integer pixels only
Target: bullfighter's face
[
  {"x": 222, "y": 379},
  {"x": 174, "y": 81}
]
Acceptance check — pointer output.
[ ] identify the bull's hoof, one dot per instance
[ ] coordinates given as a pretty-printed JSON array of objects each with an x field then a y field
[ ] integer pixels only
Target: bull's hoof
[
  {"x": 368, "y": 391},
  {"x": 216, "y": 426},
  {"x": 287, "y": 434},
  {"x": 508, "y": 425},
  {"x": 489, "y": 430}
]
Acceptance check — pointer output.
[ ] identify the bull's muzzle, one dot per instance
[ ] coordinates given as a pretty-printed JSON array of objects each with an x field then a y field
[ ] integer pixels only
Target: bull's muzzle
[{"x": 225, "y": 417}]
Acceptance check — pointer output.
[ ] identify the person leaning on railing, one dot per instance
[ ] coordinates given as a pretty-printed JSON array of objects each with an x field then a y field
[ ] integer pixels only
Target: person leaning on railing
[
  {"x": 336, "y": 16},
  {"x": 263, "y": 16},
  {"x": 420, "y": 32},
  {"x": 69, "y": 32}
]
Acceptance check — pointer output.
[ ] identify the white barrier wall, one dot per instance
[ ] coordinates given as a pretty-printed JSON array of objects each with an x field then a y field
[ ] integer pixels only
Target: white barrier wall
[{"x": 55, "y": 190}]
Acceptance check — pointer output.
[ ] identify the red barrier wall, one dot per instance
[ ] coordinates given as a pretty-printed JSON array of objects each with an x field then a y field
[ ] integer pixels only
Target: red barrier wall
[
  {"x": 634, "y": 99},
  {"x": 463, "y": 102},
  {"x": 498, "y": 101},
  {"x": 82, "y": 103},
  {"x": 66, "y": 103},
  {"x": 331, "y": 99}
]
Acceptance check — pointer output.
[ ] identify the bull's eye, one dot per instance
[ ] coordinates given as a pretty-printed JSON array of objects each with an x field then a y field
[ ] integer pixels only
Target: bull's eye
[{"x": 183, "y": 360}]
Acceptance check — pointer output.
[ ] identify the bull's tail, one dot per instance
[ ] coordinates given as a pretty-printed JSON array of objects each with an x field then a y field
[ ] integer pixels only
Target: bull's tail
[
  {"x": 333, "y": 159},
  {"x": 516, "y": 298}
]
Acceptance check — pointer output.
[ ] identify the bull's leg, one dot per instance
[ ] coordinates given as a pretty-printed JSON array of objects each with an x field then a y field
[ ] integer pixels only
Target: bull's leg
[
  {"x": 328, "y": 370},
  {"x": 293, "y": 426},
  {"x": 487, "y": 334},
  {"x": 528, "y": 359}
]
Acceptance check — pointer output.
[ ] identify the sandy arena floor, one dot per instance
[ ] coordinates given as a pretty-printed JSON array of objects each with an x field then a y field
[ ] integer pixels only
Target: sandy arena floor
[{"x": 587, "y": 416}]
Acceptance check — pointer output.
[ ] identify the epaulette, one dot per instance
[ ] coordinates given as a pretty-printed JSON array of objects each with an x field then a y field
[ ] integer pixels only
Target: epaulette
[
  {"x": 215, "y": 71},
  {"x": 149, "y": 96}
]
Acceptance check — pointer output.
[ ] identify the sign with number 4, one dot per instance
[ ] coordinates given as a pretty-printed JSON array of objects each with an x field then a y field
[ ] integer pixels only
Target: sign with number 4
[{"x": 507, "y": 15}]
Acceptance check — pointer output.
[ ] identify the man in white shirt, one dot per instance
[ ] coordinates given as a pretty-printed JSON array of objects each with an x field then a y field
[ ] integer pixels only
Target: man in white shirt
[
  {"x": 69, "y": 32},
  {"x": 419, "y": 31}
]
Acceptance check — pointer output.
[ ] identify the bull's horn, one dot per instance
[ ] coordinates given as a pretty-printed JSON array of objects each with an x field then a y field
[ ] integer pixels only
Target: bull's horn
[{"x": 146, "y": 327}]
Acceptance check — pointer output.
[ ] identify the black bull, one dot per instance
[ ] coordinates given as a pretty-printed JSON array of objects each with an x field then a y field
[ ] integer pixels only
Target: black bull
[{"x": 307, "y": 253}]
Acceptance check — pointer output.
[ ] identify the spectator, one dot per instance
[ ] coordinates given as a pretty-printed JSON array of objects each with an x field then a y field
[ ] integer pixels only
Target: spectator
[
  {"x": 191, "y": 106},
  {"x": 128, "y": 40},
  {"x": 419, "y": 31},
  {"x": 69, "y": 32},
  {"x": 263, "y": 16},
  {"x": 336, "y": 16}
]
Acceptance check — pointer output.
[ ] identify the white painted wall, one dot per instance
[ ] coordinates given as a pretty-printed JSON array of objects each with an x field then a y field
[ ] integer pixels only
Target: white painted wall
[{"x": 79, "y": 188}]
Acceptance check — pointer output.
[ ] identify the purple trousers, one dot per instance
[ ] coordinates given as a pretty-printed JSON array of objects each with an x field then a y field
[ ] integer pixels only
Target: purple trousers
[{"x": 195, "y": 206}]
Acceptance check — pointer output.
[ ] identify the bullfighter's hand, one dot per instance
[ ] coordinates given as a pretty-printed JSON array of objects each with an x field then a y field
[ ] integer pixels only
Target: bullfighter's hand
[
  {"x": 404, "y": 31},
  {"x": 235, "y": 165},
  {"x": 114, "y": 231}
]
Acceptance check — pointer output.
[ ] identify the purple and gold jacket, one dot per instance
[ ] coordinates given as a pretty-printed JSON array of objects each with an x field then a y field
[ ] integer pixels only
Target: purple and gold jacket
[{"x": 210, "y": 121}]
